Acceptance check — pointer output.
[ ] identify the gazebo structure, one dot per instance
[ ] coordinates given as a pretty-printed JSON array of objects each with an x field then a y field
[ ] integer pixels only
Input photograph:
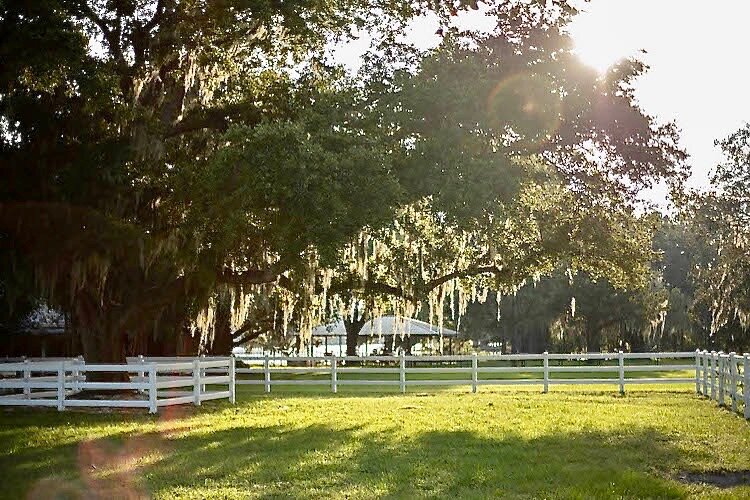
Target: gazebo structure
[{"x": 378, "y": 332}]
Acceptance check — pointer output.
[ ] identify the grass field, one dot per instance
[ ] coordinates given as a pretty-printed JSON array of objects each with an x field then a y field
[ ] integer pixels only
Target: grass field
[{"x": 571, "y": 443}]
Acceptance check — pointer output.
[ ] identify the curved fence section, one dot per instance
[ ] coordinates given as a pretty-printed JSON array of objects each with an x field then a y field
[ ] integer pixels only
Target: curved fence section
[{"x": 143, "y": 383}]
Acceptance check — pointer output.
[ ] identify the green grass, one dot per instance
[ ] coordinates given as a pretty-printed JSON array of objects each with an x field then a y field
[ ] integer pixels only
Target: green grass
[{"x": 577, "y": 442}]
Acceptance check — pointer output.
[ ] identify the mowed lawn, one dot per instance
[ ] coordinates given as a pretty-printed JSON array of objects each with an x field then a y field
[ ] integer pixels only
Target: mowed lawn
[{"x": 579, "y": 442}]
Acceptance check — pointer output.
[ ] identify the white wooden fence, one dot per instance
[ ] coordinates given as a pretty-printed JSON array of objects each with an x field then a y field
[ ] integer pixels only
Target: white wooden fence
[
  {"x": 724, "y": 378},
  {"x": 470, "y": 370},
  {"x": 161, "y": 382}
]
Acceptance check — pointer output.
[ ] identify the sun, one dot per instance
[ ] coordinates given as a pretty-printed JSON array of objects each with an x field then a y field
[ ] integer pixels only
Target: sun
[{"x": 600, "y": 36}]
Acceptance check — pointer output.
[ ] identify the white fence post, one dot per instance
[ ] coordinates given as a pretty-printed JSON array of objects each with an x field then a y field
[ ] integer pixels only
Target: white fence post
[
  {"x": 152, "y": 389},
  {"x": 713, "y": 375},
  {"x": 75, "y": 375},
  {"x": 203, "y": 374},
  {"x": 267, "y": 374},
  {"x": 232, "y": 376},
  {"x": 621, "y": 362},
  {"x": 746, "y": 385},
  {"x": 705, "y": 372},
  {"x": 334, "y": 375},
  {"x": 141, "y": 373},
  {"x": 61, "y": 387},
  {"x": 196, "y": 382},
  {"x": 26, "y": 379},
  {"x": 733, "y": 379},
  {"x": 546, "y": 372},
  {"x": 721, "y": 378},
  {"x": 402, "y": 372},
  {"x": 474, "y": 371},
  {"x": 698, "y": 371}
]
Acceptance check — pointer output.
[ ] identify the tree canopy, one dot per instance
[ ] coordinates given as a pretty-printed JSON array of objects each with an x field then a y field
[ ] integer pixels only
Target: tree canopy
[{"x": 173, "y": 165}]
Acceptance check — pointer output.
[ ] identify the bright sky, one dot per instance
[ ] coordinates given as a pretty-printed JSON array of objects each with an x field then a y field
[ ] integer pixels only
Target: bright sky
[{"x": 698, "y": 51}]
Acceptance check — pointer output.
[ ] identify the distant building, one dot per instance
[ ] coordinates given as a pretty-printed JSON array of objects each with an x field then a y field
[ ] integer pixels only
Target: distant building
[
  {"x": 42, "y": 333},
  {"x": 379, "y": 336}
]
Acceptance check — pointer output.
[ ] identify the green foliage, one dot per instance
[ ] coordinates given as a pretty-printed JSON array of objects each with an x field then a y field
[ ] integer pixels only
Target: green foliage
[
  {"x": 560, "y": 313},
  {"x": 722, "y": 263},
  {"x": 166, "y": 157},
  {"x": 518, "y": 159},
  {"x": 153, "y": 150}
]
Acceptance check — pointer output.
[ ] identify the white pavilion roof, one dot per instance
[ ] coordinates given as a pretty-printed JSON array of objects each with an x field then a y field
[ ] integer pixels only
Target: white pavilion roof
[{"x": 385, "y": 325}]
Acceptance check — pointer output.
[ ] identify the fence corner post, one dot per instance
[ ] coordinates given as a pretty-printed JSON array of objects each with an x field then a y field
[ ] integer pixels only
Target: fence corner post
[
  {"x": 621, "y": 363},
  {"x": 141, "y": 373},
  {"x": 746, "y": 384},
  {"x": 61, "y": 387},
  {"x": 196, "y": 382},
  {"x": 267, "y": 374},
  {"x": 232, "y": 377},
  {"x": 698, "y": 370},
  {"x": 721, "y": 378},
  {"x": 152, "y": 389},
  {"x": 733, "y": 378},
  {"x": 546, "y": 372},
  {"x": 76, "y": 374},
  {"x": 334, "y": 375},
  {"x": 402, "y": 372},
  {"x": 474, "y": 371}
]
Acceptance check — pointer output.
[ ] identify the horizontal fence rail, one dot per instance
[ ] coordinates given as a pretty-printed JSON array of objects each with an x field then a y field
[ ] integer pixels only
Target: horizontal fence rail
[
  {"x": 154, "y": 382},
  {"x": 545, "y": 370}
]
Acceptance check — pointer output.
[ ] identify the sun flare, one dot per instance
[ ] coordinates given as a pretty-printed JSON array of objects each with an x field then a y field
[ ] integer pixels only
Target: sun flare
[{"x": 599, "y": 41}]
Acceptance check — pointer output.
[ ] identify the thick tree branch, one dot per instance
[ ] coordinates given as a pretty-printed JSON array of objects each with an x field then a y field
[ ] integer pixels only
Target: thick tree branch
[
  {"x": 83, "y": 9},
  {"x": 272, "y": 274},
  {"x": 464, "y": 273},
  {"x": 156, "y": 19}
]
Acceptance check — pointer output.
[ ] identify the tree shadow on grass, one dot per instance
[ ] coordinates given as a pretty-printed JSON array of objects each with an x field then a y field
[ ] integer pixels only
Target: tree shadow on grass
[
  {"x": 288, "y": 461},
  {"x": 192, "y": 458},
  {"x": 318, "y": 460}
]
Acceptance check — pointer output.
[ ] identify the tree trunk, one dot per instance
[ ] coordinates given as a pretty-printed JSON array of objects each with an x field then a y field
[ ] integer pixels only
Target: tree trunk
[
  {"x": 352, "y": 334},
  {"x": 221, "y": 344},
  {"x": 101, "y": 340},
  {"x": 593, "y": 339}
]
